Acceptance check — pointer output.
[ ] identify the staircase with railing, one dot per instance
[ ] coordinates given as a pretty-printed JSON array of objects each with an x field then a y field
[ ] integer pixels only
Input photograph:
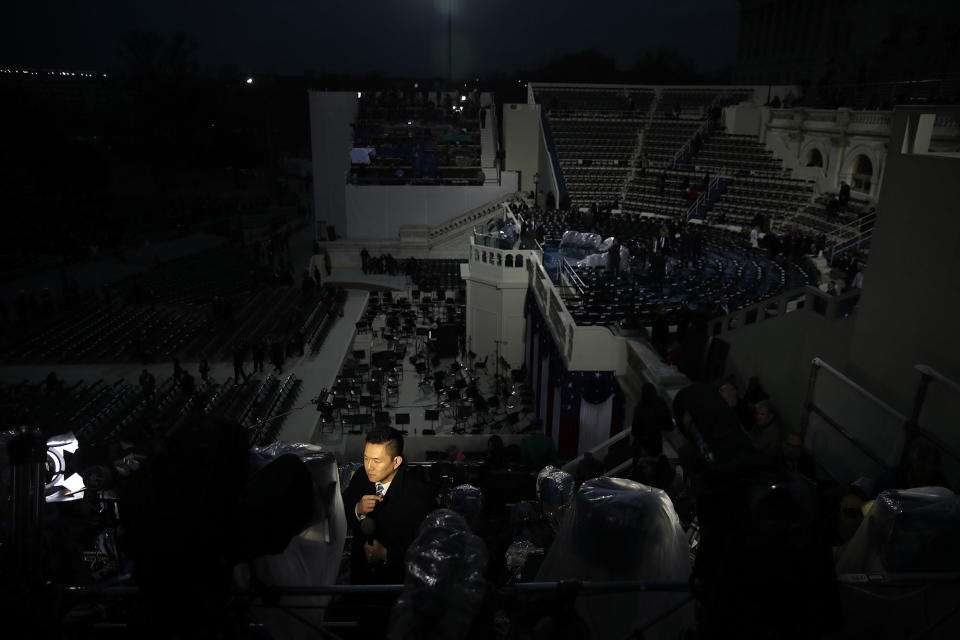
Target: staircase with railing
[
  {"x": 683, "y": 156},
  {"x": 852, "y": 236},
  {"x": 705, "y": 201}
]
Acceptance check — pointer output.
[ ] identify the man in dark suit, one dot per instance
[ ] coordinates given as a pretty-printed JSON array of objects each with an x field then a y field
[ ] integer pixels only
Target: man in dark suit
[{"x": 393, "y": 500}]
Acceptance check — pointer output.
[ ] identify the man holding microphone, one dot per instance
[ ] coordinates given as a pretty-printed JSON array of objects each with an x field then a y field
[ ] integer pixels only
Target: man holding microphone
[{"x": 384, "y": 507}]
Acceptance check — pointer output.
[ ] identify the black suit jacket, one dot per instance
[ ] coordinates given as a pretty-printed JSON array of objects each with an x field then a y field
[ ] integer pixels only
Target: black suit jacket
[{"x": 397, "y": 516}]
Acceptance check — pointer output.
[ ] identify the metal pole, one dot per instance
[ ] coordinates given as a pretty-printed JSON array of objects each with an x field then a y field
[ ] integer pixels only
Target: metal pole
[
  {"x": 27, "y": 451},
  {"x": 450, "y": 40}
]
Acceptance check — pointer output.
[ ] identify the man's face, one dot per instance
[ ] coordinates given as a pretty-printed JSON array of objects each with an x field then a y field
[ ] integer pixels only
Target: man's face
[
  {"x": 378, "y": 463},
  {"x": 729, "y": 395},
  {"x": 763, "y": 416}
]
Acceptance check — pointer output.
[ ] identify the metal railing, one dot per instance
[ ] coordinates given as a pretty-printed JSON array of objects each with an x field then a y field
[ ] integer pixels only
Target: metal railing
[
  {"x": 564, "y": 268},
  {"x": 811, "y": 407},
  {"x": 571, "y": 466},
  {"x": 911, "y": 426},
  {"x": 852, "y": 235},
  {"x": 695, "y": 207},
  {"x": 927, "y": 375},
  {"x": 485, "y": 211}
]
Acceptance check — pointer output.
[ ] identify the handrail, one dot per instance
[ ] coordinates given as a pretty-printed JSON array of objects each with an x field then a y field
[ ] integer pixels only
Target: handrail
[
  {"x": 623, "y": 466},
  {"x": 857, "y": 235},
  {"x": 577, "y": 280},
  {"x": 930, "y": 372},
  {"x": 572, "y": 465},
  {"x": 810, "y": 407},
  {"x": 818, "y": 362},
  {"x": 456, "y": 224},
  {"x": 854, "y": 226},
  {"x": 692, "y": 210}
]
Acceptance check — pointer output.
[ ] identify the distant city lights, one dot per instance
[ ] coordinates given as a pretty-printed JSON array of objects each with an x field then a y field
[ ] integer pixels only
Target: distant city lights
[{"x": 48, "y": 72}]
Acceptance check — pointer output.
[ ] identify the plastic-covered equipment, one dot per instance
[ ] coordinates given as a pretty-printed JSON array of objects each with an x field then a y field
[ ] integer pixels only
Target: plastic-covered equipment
[
  {"x": 556, "y": 489},
  {"x": 907, "y": 531},
  {"x": 590, "y": 241},
  {"x": 622, "y": 530},
  {"x": 579, "y": 240},
  {"x": 569, "y": 239},
  {"x": 312, "y": 557},
  {"x": 444, "y": 584},
  {"x": 606, "y": 244},
  {"x": 602, "y": 259},
  {"x": 467, "y": 500},
  {"x": 593, "y": 260}
]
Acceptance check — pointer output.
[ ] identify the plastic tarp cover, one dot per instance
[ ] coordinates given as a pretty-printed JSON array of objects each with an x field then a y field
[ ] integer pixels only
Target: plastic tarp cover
[
  {"x": 606, "y": 244},
  {"x": 622, "y": 530},
  {"x": 313, "y": 557},
  {"x": 576, "y": 239},
  {"x": 467, "y": 500},
  {"x": 569, "y": 239},
  {"x": 602, "y": 259},
  {"x": 906, "y": 531},
  {"x": 556, "y": 489},
  {"x": 590, "y": 241},
  {"x": 444, "y": 584},
  {"x": 362, "y": 155}
]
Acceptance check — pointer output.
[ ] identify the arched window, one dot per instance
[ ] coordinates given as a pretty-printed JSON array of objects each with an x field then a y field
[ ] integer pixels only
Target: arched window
[
  {"x": 508, "y": 261},
  {"x": 862, "y": 174},
  {"x": 499, "y": 259},
  {"x": 484, "y": 256},
  {"x": 814, "y": 158},
  {"x": 519, "y": 261}
]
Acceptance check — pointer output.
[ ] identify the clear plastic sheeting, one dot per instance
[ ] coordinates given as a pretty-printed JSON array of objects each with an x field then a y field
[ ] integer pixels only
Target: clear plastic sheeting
[
  {"x": 467, "y": 500},
  {"x": 556, "y": 490},
  {"x": 444, "y": 584},
  {"x": 907, "y": 531},
  {"x": 622, "y": 530},
  {"x": 569, "y": 239},
  {"x": 346, "y": 472},
  {"x": 579, "y": 240},
  {"x": 602, "y": 259},
  {"x": 311, "y": 558},
  {"x": 62, "y": 485},
  {"x": 606, "y": 244},
  {"x": 518, "y": 554}
]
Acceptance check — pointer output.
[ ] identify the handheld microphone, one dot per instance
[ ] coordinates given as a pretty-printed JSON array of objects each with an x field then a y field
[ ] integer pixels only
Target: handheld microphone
[{"x": 368, "y": 526}]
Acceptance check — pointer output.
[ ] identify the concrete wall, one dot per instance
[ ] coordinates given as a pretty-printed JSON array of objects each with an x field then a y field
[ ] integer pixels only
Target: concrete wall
[
  {"x": 522, "y": 141},
  {"x": 779, "y": 351},
  {"x": 742, "y": 119},
  {"x": 905, "y": 316},
  {"x": 911, "y": 294},
  {"x": 376, "y": 212},
  {"x": 331, "y": 138}
]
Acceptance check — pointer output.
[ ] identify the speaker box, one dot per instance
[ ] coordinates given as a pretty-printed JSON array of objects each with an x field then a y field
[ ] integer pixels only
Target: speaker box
[{"x": 447, "y": 344}]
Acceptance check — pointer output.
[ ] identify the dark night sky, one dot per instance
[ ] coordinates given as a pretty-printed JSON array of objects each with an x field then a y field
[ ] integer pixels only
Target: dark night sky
[{"x": 398, "y": 37}]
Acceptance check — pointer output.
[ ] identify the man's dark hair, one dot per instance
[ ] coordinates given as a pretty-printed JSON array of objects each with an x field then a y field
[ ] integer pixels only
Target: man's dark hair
[{"x": 388, "y": 436}]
